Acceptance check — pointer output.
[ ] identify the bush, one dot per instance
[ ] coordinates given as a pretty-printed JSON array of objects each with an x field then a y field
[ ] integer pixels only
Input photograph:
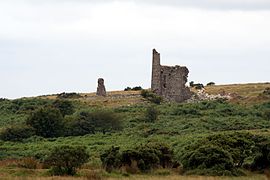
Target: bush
[
  {"x": 69, "y": 95},
  {"x": 142, "y": 158},
  {"x": 127, "y": 89},
  {"x": 64, "y": 160},
  {"x": 150, "y": 96},
  {"x": 208, "y": 158},
  {"x": 111, "y": 159},
  {"x": 17, "y": 133},
  {"x": 211, "y": 84},
  {"x": 151, "y": 114},
  {"x": 65, "y": 107},
  {"x": 47, "y": 122},
  {"x": 230, "y": 151},
  {"x": 136, "y": 88},
  {"x": 262, "y": 159},
  {"x": 29, "y": 163},
  {"x": 92, "y": 122}
]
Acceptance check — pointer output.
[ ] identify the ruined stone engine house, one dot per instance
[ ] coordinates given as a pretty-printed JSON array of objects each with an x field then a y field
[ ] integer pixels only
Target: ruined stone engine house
[{"x": 169, "y": 81}]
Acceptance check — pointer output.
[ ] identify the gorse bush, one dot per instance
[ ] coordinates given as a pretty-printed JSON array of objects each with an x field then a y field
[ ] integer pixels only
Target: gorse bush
[
  {"x": 208, "y": 158},
  {"x": 17, "y": 133},
  {"x": 47, "y": 122},
  {"x": 142, "y": 158},
  {"x": 64, "y": 160},
  {"x": 65, "y": 107},
  {"x": 111, "y": 159},
  {"x": 219, "y": 154},
  {"x": 92, "y": 122}
]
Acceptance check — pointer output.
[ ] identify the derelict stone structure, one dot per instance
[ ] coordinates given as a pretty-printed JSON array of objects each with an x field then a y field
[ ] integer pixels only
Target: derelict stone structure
[
  {"x": 101, "y": 90},
  {"x": 169, "y": 81}
]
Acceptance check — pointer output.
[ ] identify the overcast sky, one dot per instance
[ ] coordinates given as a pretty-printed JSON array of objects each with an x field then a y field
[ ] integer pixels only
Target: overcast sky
[{"x": 54, "y": 46}]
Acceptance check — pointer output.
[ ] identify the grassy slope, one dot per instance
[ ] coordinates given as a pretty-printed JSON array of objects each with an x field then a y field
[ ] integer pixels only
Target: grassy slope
[{"x": 172, "y": 129}]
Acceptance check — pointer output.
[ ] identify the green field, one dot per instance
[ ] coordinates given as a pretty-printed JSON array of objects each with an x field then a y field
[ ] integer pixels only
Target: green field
[{"x": 178, "y": 125}]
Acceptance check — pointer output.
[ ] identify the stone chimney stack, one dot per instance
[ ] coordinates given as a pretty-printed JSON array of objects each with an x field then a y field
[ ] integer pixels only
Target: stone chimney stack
[
  {"x": 101, "y": 90},
  {"x": 156, "y": 73}
]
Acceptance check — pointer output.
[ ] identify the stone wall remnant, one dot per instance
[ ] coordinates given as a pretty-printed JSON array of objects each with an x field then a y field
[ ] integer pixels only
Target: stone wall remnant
[{"x": 169, "y": 81}]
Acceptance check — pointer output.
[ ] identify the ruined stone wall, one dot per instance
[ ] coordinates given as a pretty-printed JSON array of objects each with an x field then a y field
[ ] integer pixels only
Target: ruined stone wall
[{"x": 169, "y": 81}]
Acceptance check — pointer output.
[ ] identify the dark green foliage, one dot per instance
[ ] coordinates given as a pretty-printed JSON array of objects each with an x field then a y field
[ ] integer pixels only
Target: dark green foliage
[
  {"x": 219, "y": 154},
  {"x": 262, "y": 159},
  {"x": 69, "y": 95},
  {"x": 16, "y": 133},
  {"x": 185, "y": 110},
  {"x": 136, "y": 88},
  {"x": 144, "y": 157},
  {"x": 208, "y": 157},
  {"x": 266, "y": 114},
  {"x": 64, "y": 160},
  {"x": 66, "y": 107},
  {"x": 47, "y": 122},
  {"x": 197, "y": 86},
  {"x": 210, "y": 84},
  {"x": 127, "y": 89},
  {"x": 92, "y": 122},
  {"x": 150, "y": 96},
  {"x": 24, "y": 105},
  {"x": 111, "y": 159},
  {"x": 151, "y": 114}
]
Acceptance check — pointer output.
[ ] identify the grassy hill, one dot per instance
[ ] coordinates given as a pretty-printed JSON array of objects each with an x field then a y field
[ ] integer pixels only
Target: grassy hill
[{"x": 178, "y": 125}]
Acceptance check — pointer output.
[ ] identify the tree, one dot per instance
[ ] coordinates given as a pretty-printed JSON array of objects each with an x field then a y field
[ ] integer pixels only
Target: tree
[
  {"x": 66, "y": 107},
  {"x": 64, "y": 160},
  {"x": 47, "y": 122}
]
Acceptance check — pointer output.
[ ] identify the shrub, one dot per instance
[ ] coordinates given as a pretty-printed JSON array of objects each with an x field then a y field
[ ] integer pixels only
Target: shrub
[
  {"x": 262, "y": 159},
  {"x": 219, "y": 154},
  {"x": 29, "y": 163},
  {"x": 47, "y": 122},
  {"x": 208, "y": 157},
  {"x": 127, "y": 89},
  {"x": 17, "y": 133},
  {"x": 198, "y": 86},
  {"x": 65, "y": 107},
  {"x": 151, "y": 114},
  {"x": 142, "y": 158},
  {"x": 92, "y": 122},
  {"x": 152, "y": 97},
  {"x": 111, "y": 159},
  {"x": 210, "y": 84},
  {"x": 68, "y": 95},
  {"x": 137, "y": 88},
  {"x": 64, "y": 160}
]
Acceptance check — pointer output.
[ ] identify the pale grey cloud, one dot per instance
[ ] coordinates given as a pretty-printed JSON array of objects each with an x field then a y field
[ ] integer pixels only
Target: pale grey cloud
[
  {"x": 64, "y": 45},
  {"x": 205, "y": 4}
]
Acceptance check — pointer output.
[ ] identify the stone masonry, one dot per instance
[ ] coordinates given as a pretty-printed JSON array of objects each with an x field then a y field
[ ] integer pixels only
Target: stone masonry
[
  {"x": 169, "y": 81},
  {"x": 101, "y": 91}
]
